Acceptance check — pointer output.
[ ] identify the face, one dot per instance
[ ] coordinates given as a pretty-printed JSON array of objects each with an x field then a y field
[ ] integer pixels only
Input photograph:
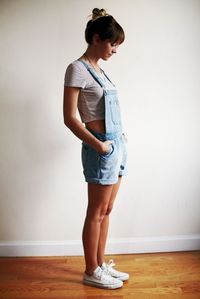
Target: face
[{"x": 106, "y": 49}]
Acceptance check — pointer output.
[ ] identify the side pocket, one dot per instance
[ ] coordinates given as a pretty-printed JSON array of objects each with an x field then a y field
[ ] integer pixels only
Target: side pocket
[{"x": 84, "y": 154}]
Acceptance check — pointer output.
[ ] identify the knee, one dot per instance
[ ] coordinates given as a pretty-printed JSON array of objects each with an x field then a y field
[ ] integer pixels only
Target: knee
[
  {"x": 96, "y": 216},
  {"x": 103, "y": 213},
  {"x": 99, "y": 215},
  {"x": 108, "y": 211}
]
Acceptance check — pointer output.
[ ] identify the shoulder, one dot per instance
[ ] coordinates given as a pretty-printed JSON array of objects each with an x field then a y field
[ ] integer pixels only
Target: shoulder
[
  {"x": 76, "y": 66},
  {"x": 76, "y": 74}
]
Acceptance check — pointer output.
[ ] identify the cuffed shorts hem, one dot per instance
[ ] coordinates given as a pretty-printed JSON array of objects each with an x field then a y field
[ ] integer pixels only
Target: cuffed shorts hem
[{"x": 103, "y": 182}]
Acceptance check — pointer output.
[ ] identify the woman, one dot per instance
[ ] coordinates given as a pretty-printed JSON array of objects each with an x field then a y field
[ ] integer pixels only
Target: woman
[{"x": 88, "y": 89}]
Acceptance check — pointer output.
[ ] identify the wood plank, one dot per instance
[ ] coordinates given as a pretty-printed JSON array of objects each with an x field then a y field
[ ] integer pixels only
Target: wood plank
[{"x": 158, "y": 275}]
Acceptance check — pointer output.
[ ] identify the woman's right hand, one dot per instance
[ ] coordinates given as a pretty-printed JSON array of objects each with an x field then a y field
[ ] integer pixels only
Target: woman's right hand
[{"x": 105, "y": 147}]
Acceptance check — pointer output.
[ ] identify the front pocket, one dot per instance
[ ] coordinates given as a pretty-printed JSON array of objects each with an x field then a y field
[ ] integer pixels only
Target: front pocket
[{"x": 111, "y": 149}]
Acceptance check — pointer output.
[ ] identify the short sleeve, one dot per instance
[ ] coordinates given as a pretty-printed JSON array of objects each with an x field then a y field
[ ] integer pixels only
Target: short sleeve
[{"x": 74, "y": 76}]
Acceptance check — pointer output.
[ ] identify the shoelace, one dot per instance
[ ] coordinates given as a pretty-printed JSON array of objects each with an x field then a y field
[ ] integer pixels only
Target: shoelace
[
  {"x": 110, "y": 264},
  {"x": 102, "y": 274}
]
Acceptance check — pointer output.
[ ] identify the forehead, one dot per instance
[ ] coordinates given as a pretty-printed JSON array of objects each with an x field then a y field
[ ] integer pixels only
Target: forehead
[{"x": 108, "y": 42}]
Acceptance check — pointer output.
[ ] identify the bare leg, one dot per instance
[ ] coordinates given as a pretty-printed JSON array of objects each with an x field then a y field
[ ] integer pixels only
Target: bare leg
[
  {"x": 105, "y": 224},
  {"x": 98, "y": 200}
]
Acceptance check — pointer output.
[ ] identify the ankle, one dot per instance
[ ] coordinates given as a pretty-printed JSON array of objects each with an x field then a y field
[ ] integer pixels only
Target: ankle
[
  {"x": 100, "y": 261},
  {"x": 100, "y": 264},
  {"x": 89, "y": 271}
]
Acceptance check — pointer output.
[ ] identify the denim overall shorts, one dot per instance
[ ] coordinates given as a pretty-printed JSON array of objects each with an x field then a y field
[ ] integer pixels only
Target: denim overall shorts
[{"x": 105, "y": 169}]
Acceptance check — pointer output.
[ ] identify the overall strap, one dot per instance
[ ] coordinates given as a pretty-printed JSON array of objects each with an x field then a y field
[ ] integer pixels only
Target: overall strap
[
  {"x": 108, "y": 78},
  {"x": 93, "y": 74}
]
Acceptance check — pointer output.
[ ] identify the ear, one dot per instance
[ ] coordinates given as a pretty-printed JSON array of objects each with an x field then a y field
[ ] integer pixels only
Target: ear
[{"x": 96, "y": 39}]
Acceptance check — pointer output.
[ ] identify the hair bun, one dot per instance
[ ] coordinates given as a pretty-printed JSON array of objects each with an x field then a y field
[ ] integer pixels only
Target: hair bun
[{"x": 97, "y": 13}]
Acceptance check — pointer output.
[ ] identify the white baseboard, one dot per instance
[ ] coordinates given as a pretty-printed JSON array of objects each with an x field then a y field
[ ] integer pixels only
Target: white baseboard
[{"x": 114, "y": 246}]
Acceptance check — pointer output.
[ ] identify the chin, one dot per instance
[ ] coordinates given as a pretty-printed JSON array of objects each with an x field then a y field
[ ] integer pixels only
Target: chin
[{"x": 106, "y": 58}]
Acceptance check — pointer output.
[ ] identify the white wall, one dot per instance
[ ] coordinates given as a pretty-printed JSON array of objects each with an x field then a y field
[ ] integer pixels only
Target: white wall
[{"x": 43, "y": 193}]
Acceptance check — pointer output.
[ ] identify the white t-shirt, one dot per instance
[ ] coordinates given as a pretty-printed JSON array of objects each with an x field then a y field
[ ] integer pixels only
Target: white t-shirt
[{"x": 90, "y": 101}]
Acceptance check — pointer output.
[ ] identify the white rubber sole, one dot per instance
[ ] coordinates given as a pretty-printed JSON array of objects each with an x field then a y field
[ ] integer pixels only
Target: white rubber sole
[
  {"x": 103, "y": 286},
  {"x": 122, "y": 278}
]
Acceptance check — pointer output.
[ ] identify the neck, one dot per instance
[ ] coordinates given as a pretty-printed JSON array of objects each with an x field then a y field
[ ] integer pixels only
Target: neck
[{"x": 92, "y": 61}]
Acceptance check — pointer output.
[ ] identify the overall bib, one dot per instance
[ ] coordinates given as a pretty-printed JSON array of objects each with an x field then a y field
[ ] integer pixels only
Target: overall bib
[{"x": 106, "y": 168}]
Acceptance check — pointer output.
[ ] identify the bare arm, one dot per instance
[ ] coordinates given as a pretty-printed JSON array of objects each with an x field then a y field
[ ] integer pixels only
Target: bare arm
[{"x": 70, "y": 104}]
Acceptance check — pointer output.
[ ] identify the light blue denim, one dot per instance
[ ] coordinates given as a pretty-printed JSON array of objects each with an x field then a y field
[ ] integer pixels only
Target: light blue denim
[{"x": 105, "y": 169}]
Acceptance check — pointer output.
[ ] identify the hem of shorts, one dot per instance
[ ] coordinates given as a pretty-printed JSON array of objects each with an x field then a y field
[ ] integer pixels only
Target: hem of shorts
[{"x": 103, "y": 182}]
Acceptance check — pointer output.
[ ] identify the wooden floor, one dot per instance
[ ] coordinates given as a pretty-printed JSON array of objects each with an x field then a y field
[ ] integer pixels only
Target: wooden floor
[{"x": 160, "y": 275}]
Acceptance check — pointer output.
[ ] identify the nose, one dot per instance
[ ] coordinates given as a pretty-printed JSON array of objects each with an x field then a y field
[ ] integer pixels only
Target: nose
[{"x": 114, "y": 50}]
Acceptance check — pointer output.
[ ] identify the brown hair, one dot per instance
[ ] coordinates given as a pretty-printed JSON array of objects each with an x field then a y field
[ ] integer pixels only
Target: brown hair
[{"x": 105, "y": 26}]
